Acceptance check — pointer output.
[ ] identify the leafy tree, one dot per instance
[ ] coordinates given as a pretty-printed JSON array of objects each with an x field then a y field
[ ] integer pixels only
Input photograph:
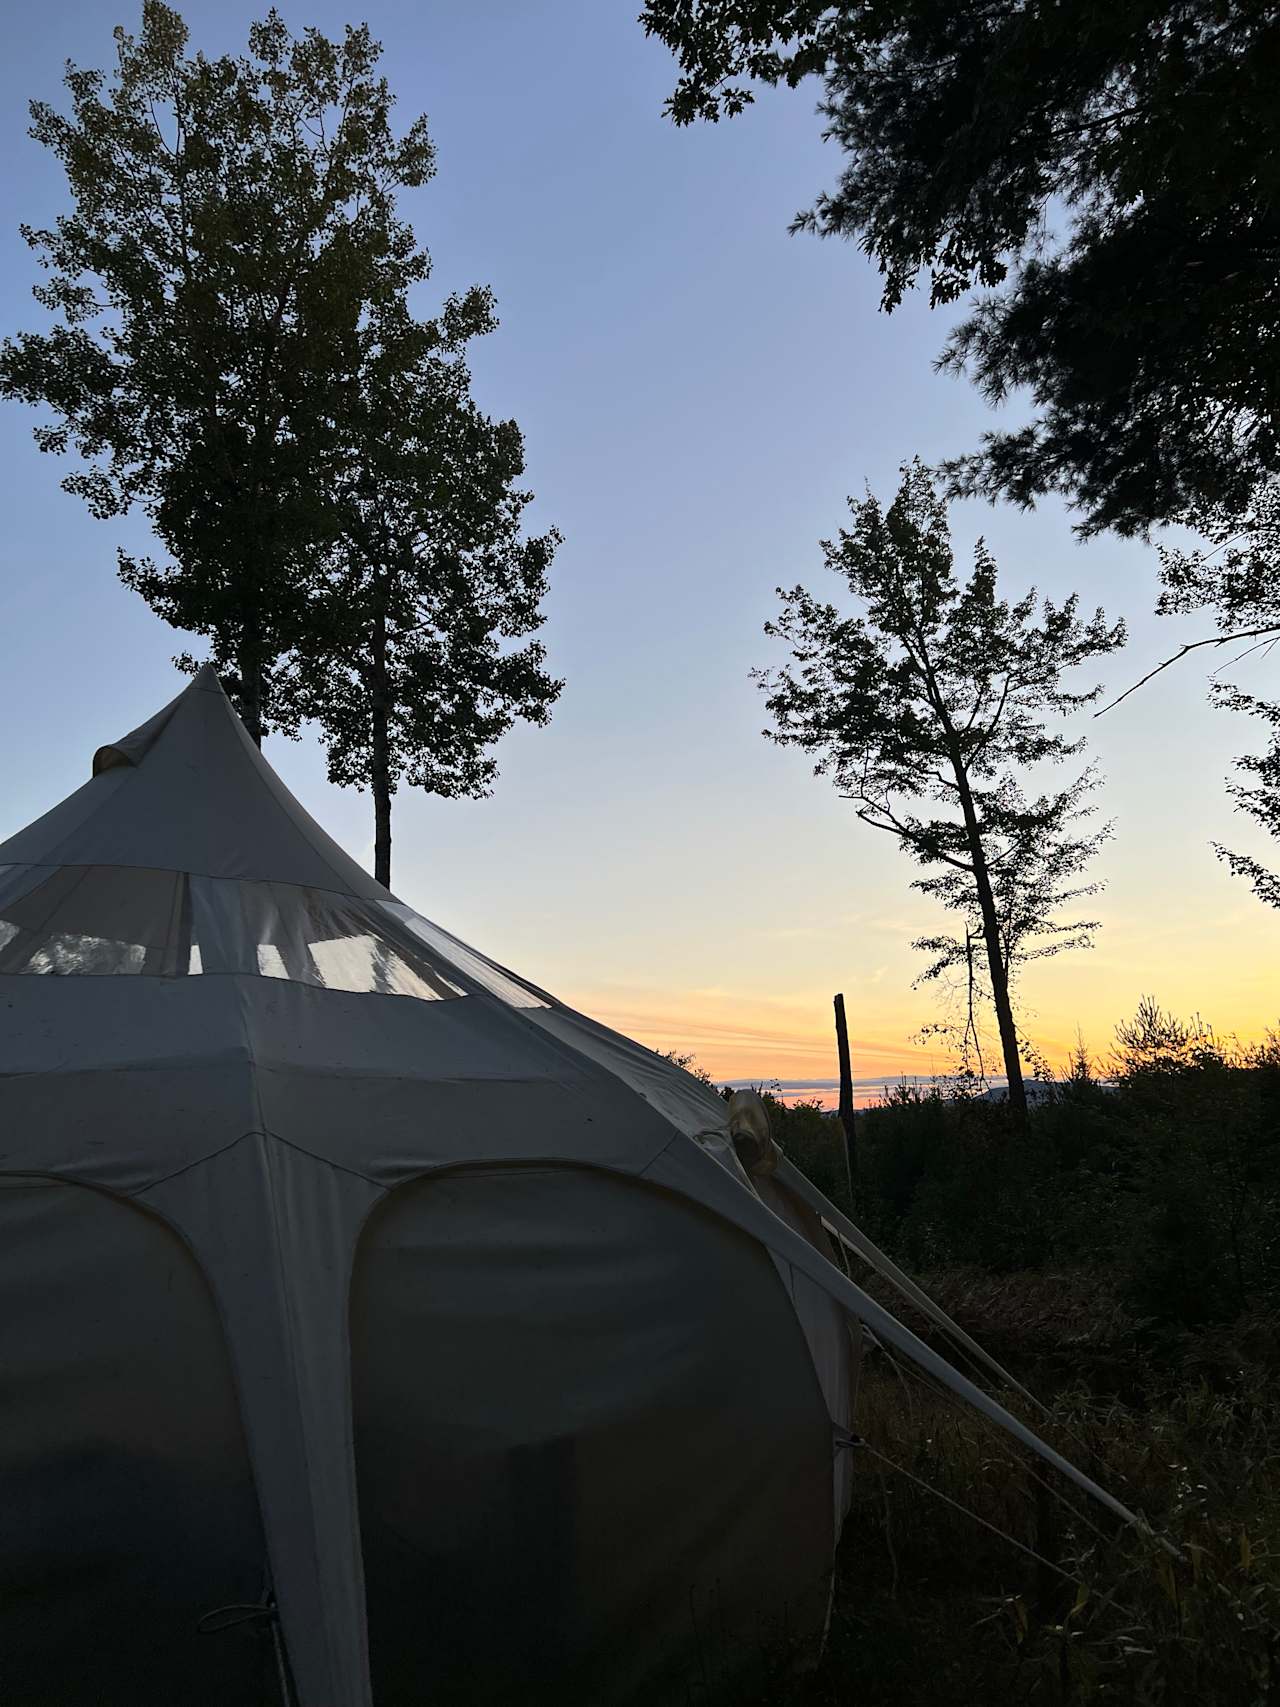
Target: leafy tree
[
  {"x": 1108, "y": 175},
  {"x": 1237, "y": 576},
  {"x": 926, "y": 708},
  {"x": 232, "y": 222},
  {"x": 409, "y": 667}
]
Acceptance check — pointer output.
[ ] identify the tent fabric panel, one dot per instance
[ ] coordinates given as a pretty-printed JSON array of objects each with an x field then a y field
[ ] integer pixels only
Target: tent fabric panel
[
  {"x": 129, "y": 1507},
  {"x": 63, "y": 823},
  {"x": 123, "y": 1081},
  {"x": 392, "y": 1130},
  {"x": 74, "y": 1026},
  {"x": 686, "y": 1169},
  {"x": 827, "y": 1328},
  {"x": 274, "y": 1231},
  {"x": 370, "y": 1036},
  {"x": 691, "y": 1107},
  {"x": 389, "y": 1087},
  {"x": 123, "y": 1130},
  {"x": 583, "y": 1408}
]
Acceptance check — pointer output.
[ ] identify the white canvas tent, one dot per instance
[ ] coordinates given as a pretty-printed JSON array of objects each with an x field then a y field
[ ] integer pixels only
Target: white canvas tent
[{"x": 346, "y": 1274}]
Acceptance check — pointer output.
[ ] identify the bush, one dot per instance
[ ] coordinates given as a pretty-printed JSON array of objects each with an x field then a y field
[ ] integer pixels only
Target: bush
[{"x": 1168, "y": 1174}]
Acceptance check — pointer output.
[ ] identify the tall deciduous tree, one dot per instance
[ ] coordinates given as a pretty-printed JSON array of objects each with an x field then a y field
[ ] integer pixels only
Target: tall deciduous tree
[
  {"x": 232, "y": 221},
  {"x": 418, "y": 655},
  {"x": 1108, "y": 175},
  {"x": 928, "y": 709}
]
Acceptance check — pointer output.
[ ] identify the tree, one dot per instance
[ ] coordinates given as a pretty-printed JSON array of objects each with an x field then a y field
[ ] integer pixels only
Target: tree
[
  {"x": 233, "y": 221},
  {"x": 409, "y": 668},
  {"x": 1108, "y": 177},
  {"x": 926, "y": 708},
  {"x": 1040, "y": 849},
  {"x": 1238, "y": 577},
  {"x": 688, "y": 1062}
]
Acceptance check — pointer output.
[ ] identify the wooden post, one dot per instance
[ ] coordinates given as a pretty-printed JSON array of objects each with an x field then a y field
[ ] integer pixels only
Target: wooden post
[{"x": 846, "y": 1091}]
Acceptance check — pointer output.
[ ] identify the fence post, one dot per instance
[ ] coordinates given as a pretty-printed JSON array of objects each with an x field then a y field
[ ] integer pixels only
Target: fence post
[{"x": 846, "y": 1092}]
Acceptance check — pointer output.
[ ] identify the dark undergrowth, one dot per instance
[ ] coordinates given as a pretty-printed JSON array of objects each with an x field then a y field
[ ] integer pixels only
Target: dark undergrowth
[
  {"x": 934, "y": 1610},
  {"x": 1120, "y": 1255}
]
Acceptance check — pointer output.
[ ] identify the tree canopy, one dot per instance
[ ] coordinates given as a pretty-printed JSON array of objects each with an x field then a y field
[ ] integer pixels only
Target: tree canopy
[
  {"x": 239, "y": 355},
  {"x": 232, "y": 221},
  {"x": 1107, "y": 176},
  {"x": 929, "y": 709}
]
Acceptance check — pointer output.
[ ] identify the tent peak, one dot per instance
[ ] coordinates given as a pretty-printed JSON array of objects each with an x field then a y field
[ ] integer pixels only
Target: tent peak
[
  {"x": 132, "y": 748},
  {"x": 207, "y": 680},
  {"x": 189, "y": 791}
]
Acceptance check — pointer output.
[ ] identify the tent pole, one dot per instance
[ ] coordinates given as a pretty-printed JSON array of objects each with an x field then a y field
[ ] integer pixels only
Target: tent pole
[{"x": 855, "y": 1240}]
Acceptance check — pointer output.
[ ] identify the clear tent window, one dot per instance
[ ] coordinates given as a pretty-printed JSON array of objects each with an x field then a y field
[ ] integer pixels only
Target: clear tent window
[{"x": 97, "y": 921}]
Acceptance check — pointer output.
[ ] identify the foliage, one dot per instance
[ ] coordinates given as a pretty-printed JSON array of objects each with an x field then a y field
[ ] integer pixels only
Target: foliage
[
  {"x": 813, "y": 1138},
  {"x": 688, "y": 1062},
  {"x": 1106, "y": 175},
  {"x": 1119, "y": 1254},
  {"x": 1237, "y": 575},
  {"x": 1164, "y": 1174},
  {"x": 411, "y": 667},
  {"x": 232, "y": 222},
  {"x": 928, "y": 709}
]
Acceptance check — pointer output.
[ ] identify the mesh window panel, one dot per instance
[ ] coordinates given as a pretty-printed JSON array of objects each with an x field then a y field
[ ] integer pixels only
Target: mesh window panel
[
  {"x": 94, "y": 921},
  {"x": 482, "y": 971},
  {"x": 309, "y": 936}
]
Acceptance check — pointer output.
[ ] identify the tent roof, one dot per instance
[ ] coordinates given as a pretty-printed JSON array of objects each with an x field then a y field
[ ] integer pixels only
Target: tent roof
[{"x": 188, "y": 791}]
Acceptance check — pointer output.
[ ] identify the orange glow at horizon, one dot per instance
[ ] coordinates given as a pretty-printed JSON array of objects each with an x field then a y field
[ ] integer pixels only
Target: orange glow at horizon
[{"x": 791, "y": 1040}]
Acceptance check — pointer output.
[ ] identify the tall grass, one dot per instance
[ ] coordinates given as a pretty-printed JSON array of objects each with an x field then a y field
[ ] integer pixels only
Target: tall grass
[{"x": 932, "y": 1609}]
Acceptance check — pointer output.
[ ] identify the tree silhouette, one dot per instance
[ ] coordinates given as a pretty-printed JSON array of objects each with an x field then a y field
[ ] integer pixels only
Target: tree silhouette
[
  {"x": 233, "y": 221},
  {"x": 927, "y": 708},
  {"x": 411, "y": 665},
  {"x": 1106, "y": 175}
]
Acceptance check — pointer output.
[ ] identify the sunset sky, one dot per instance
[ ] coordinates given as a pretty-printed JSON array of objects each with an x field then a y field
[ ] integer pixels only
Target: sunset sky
[{"x": 698, "y": 392}]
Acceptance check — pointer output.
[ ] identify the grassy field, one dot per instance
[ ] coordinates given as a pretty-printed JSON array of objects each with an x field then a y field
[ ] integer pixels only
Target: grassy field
[{"x": 931, "y": 1608}]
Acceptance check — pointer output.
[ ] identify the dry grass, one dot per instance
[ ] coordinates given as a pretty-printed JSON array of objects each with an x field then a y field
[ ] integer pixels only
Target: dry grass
[{"x": 933, "y": 1609}]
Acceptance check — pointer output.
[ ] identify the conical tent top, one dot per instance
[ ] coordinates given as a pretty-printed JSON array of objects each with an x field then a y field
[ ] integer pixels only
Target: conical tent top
[{"x": 189, "y": 791}]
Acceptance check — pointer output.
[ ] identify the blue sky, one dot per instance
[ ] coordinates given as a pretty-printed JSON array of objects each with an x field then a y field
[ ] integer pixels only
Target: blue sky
[{"x": 698, "y": 392}]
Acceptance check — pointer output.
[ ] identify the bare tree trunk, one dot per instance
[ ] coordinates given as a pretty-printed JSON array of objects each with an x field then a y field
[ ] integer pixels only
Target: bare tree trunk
[
  {"x": 996, "y": 968},
  {"x": 380, "y": 757},
  {"x": 249, "y": 668},
  {"x": 381, "y": 825}
]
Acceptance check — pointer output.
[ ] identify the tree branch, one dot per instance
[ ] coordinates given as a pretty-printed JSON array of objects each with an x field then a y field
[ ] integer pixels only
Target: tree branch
[{"x": 1272, "y": 628}]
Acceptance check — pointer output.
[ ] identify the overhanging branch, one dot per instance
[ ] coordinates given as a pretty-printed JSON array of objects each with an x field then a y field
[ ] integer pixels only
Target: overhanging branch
[{"x": 1192, "y": 646}]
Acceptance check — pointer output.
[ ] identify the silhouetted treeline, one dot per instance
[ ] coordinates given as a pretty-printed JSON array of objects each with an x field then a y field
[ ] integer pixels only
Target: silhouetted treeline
[{"x": 1165, "y": 1173}]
